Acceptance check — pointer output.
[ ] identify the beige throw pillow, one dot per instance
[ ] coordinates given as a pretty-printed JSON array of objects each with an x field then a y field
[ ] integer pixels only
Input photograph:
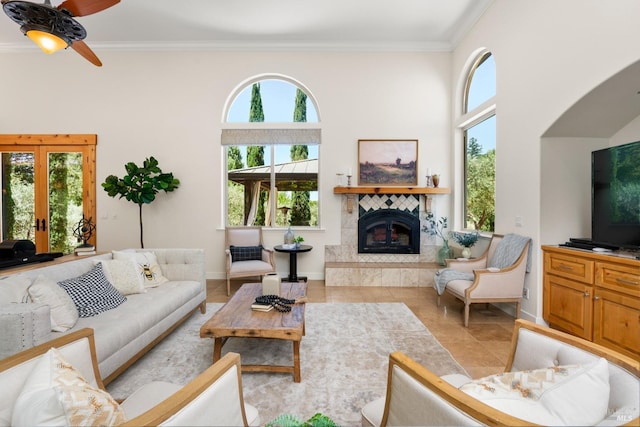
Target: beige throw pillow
[
  {"x": 123, "y": 275},
  {"x": 572, "y": 395},
  {"x": 64, "y": 313},
  {"x": 147, "y": 266},
  {"x": 55, "y": 393}
]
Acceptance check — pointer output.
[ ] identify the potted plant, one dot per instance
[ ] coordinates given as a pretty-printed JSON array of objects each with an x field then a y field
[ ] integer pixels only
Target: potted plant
[
  {"x": 466, "y": 240},
  {"x": 288, "y": 420},
  {"x": 437, "y": 228},
  {"x": 140, "y": 185},
  {"x": 298, "y": 240}
]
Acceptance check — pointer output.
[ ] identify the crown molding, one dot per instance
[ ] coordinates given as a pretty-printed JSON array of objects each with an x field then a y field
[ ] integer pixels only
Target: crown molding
[{"x": 246, "y": 46}]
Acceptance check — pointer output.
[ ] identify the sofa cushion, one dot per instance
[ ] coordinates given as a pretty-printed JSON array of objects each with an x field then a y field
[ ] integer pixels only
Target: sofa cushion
[
  {"x": 560, "y": 395},
  {"x": 245, "y": 253},
  {"x": 92, "y": 293},
  {"x": 123, "y": 275},
  {"x": 146, "y": 265},
  {"x": 63, "y": 311},
  {"x": 55, "y": 393}
]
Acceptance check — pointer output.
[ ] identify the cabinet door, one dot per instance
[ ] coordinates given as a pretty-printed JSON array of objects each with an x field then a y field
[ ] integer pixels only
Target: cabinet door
[
  {"x": 569, "y": 305},
  {"x": 617, "y": 322}
]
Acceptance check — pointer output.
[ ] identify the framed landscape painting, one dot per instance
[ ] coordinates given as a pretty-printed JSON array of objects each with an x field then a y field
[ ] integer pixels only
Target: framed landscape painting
[{"x": 388, "y": 162}]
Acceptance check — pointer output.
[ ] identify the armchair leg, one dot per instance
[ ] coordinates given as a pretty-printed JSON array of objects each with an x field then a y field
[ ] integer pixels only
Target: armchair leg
[
  {"x": 228, "y": 286},
  {"x": 517, "y": 309},
  {"x": 466, "y": 315}
]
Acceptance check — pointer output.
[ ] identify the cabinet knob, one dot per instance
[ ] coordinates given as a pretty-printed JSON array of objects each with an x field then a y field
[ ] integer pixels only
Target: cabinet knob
[
  {"x": 586, "y": 294},
  {"x": 596, "y": 298}
]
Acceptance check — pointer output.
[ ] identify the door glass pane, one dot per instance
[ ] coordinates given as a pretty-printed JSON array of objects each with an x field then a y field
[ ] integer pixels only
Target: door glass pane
[
  {"x": 65, "y": 200},
  {"x": 18, "y": 200}
]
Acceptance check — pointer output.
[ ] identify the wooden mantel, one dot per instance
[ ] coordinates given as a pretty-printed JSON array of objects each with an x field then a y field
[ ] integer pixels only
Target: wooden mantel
[
  {"x": 349, "y": 191},
  {"x": 391, "y": 190}
]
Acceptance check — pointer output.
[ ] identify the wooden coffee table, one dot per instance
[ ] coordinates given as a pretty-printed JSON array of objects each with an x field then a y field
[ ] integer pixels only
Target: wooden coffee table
[{"x": 236, "y": 319}]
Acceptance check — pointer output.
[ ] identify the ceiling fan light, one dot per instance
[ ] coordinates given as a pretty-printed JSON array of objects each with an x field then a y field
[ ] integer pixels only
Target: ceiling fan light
[{"x": 48, "y": 42}]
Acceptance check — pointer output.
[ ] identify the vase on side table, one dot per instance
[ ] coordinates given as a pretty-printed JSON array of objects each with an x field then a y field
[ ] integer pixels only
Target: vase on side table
[
  {"x": 445, "y": 252},
  {"x": 466, "y": 252}
]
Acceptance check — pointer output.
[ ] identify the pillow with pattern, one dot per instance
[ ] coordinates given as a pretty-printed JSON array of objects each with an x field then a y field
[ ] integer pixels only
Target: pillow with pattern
[
  {"x": 246, "y": 253},
  {"x": 55, "y": 393},
  {"x": 92, "y": 293},
  {"x": 146, "y": 265},
  {"x": 571, "y": 395}
]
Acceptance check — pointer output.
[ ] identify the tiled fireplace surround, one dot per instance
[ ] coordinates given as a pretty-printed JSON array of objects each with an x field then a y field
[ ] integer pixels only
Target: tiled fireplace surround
[{"x": 344, "y": 266}]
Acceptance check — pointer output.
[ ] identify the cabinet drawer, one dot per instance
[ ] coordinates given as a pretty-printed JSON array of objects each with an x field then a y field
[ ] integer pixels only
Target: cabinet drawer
[
  {"x": 620, "y": 278},
  {"x": 571, "y": 267}
]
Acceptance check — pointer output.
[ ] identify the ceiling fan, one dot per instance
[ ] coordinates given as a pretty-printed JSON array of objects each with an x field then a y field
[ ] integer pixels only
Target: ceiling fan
[{"x": 53, "y": 28}]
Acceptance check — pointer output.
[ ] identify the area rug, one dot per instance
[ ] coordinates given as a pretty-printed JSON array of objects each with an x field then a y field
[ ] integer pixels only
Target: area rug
[{"x": 344, "y": 359}]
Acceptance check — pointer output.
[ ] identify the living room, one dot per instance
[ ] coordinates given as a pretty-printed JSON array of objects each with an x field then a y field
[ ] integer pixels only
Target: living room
[
  {"x": 169, "y": 102},
  {"x": 143, "y": 103}
]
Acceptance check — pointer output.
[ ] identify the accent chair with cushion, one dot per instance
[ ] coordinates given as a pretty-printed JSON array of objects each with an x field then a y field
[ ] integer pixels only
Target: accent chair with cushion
[
  {"x": 496, "y": 276},
  {"x": 551, "y": 378},
  {"x": 246, "y": 255},
  {"x": 59, "y": 383}
]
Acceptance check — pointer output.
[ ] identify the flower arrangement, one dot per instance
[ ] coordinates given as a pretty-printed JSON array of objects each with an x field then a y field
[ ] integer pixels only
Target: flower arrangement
[
  {"x": 466, "y": 239},
  {"x": 436, "y": 227}
]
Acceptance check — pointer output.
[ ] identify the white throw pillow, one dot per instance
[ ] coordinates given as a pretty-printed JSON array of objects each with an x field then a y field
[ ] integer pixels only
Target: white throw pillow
[
  {"x": 55, "y": 393},
  {"x": 64, "y": 313},
  {"x": 14, "y": 289},
  {"x": 147, "y": 266},
  {"x": 570, "y": 395},
  {"x": 123, "y": 275}
]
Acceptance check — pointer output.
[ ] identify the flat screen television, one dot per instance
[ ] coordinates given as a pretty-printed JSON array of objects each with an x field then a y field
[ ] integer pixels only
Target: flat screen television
[{"x": 615, "y": 196}]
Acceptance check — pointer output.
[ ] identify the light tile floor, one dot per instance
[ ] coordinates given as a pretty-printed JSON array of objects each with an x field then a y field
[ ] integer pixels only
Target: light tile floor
[{"x": 482, "y": 349}]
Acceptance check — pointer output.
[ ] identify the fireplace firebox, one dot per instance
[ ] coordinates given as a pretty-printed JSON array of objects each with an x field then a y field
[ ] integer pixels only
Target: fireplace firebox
[{"x": 388, "y": 231}]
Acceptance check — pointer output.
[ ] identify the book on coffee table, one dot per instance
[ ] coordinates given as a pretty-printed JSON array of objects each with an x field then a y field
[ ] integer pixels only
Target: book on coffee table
[{"x": 261, "y": 307}]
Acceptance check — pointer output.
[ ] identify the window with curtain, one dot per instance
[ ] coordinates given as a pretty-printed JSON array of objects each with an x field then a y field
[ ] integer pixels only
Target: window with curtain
[
  {"x": 479, "y": 137},
  {"x": 271, "y": 148}
]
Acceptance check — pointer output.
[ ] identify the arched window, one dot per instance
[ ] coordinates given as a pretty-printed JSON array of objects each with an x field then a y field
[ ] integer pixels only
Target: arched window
[
  {"x": 479, "y": 138},
  {"x": 271, "y": 141}
]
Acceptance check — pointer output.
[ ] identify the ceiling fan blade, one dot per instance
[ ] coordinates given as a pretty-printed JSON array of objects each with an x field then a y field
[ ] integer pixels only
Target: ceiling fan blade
[
  {"x": 86, "y": 7},
  {"x": 86, "y": 52}
]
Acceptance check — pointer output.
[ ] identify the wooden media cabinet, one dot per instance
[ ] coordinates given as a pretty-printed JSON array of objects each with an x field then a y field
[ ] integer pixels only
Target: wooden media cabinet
[{"x": 595, "y": 296}]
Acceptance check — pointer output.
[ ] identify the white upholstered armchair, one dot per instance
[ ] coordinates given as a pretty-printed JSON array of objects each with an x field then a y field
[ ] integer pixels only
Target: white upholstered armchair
[
  {"x": 246, "y": 255},
  {"x": 41, "y": 386},
  {"x": 496, "y": 276},
  {"x": 594, "y": 386}
]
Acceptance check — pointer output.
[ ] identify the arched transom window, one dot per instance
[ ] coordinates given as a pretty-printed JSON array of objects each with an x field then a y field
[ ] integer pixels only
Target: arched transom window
[{"x": 479, "y": 136}]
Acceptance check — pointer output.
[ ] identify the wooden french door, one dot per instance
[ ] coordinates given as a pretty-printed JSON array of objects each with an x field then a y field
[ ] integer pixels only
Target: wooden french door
[{"x": 48, "y": 185}]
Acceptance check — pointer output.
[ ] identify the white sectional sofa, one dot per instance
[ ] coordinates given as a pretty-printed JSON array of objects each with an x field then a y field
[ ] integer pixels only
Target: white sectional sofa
[{"x": 122, "y": 334}]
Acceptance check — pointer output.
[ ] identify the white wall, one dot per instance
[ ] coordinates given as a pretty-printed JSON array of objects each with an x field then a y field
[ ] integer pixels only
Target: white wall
[
  {"x": 548, "y": 55},
  {"x": 565, "y": 188},
  {"x": 169, "y": 105},
  {"x": 629, "y": 133}
]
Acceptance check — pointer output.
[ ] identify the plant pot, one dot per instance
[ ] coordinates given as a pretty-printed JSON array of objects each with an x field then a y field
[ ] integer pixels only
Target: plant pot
[
  {"x": 466, "y": 252},
  {"x": 445, "y": 252}
]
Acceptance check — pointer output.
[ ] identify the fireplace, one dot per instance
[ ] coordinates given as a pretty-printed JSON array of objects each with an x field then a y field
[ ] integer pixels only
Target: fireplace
[{"x": 388, "y": 231}]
